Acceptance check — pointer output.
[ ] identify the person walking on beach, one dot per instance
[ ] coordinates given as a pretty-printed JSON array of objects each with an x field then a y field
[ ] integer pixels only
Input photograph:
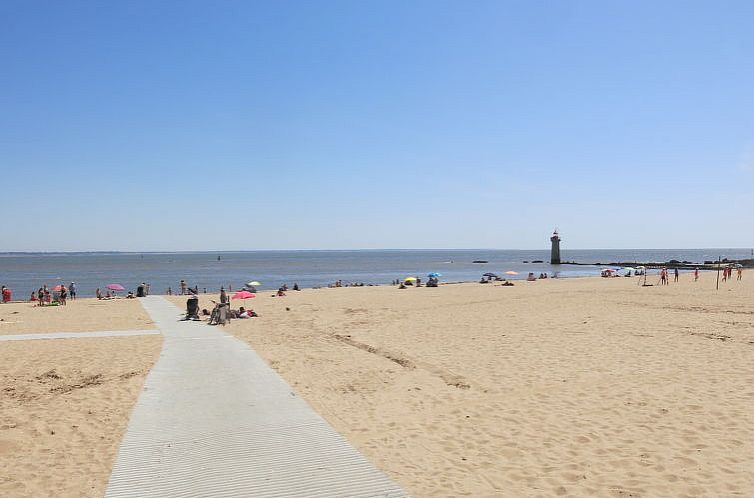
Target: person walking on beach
[
  {"x": 696, "y": 274},
  {"x": 223, "y": 296},
  {"x": 41, "y": 297},
  {"x": 183, "y": 287},
  {"x": 675, "y": 275},
  {"x": 63, "y": 295},
  {"x": 72, "y": 291},
  {"x": 663, "y": 277},
  {"x": 739, "y": 273}
]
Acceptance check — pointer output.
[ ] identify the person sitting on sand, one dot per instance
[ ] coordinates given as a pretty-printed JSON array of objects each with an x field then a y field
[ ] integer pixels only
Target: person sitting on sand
[
  {"x": 531, "y": 277},
  {"x": 98, "y": 293},
  {"x": 33, "y": 297},
  {"x": 295, "y": 286},
  {"x": 6, "y": 294},
  {"x": 507, "y": 283},
  {"x": 402, "y": 286},
  {"x": 130, "y": 295},
  {"x": 281, "y": 292}
]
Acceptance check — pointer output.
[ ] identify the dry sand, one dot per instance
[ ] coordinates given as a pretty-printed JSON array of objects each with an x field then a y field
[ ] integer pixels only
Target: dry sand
[
  {"x": 580, "y": 387},
  {"x": 81, "y": 315},
  {"x": 65, "y": 406}
]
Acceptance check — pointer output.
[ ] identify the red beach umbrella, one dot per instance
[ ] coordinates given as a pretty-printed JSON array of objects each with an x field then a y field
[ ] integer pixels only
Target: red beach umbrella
[
  {"x": 243, "y": 295},
  {"x": 115, "y": 287}
]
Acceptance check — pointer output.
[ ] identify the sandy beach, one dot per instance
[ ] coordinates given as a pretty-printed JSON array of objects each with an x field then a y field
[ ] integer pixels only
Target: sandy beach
[
  {"x": 65, "y": 406},
  {"x": 81, "y": 315},
  {"x": 579, "y": 387}
]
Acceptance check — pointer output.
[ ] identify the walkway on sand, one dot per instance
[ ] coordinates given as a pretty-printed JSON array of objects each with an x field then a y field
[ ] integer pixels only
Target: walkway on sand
[
  {"x": 215, "y": 421},
  {"x": 77, "y": 335}
]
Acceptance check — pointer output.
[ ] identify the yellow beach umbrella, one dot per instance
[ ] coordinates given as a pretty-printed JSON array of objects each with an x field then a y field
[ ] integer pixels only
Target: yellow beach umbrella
[{"x": 409, "y": 279}]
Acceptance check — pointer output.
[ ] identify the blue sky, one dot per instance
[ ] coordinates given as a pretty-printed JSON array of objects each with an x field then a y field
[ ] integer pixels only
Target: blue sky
[{"x": 295, "y": 125}]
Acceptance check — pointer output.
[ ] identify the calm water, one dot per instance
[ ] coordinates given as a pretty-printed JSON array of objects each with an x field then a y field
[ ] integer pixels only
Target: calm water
[{"x": 24, "y": 272}]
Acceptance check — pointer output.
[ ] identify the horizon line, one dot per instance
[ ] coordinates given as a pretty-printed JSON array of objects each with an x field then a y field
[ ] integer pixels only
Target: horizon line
[{"x": 366, "y": 249}]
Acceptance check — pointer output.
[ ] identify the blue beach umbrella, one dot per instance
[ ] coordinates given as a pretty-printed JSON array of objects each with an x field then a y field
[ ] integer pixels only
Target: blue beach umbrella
[{"x": 434, "y": 274}]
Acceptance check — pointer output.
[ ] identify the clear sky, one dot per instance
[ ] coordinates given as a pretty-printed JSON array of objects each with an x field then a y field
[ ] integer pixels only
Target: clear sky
[{"x": 188, "y": 125}]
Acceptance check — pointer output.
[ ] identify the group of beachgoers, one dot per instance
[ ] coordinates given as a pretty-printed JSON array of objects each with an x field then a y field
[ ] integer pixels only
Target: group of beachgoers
[
  {"x": 185, "y": 289},
  {"x": 57, "y": 296},
  {"x": 340, "y": 283},
  {"x": 60, "y": 294},
  {"x": 727, "y": 274},
  {"x": 665, "y": 278},
  {"x": 432, "y": 281},
  {"x": 222, "y": 313}
]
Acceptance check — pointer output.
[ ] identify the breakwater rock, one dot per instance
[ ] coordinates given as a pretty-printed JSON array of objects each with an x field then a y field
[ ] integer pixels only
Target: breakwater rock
[{"x": 673, "y": 263}]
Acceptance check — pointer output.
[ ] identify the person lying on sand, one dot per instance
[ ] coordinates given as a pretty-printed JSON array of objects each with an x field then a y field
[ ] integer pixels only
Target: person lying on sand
[{"x": 244, "y": 313}]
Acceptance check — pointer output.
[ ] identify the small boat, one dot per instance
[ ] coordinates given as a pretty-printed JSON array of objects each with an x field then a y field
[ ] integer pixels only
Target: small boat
[{"x": 480, "y": 261}]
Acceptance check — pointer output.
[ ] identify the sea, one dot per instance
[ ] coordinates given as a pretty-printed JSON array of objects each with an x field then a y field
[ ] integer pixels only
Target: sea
[{"x": 23, "y": 272}]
